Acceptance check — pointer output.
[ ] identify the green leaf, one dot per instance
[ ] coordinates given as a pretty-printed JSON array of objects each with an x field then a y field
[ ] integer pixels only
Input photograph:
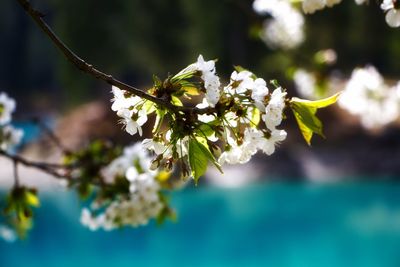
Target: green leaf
[
  {"x": 32, "y": 199},
  {"x": 322, "y": 103},
  {"x": 307, "y": 121},
  {"x": 191, "y": 90},
  {"x": 184, "y": 75},
  {"x": 199, "y": 155},
  {"x": 149, "y": 106},
  {"x": 206, "y": 129},
  {"x": 159, "y": 120},
  {"x": 206, "y": 150},
  {"x": 176, "y": 101},
  {"x": 197, "y": 159},
  {"x": 255, "y": 117},
  {"x": 157, "y": 82},
  {"x": 304, "y": 112}
]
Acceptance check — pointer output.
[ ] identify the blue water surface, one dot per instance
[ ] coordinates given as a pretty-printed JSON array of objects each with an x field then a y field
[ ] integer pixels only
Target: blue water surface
[{"x": 259, "y": 225}]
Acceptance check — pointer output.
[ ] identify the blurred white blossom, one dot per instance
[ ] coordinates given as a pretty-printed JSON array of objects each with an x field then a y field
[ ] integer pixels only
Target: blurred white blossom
[
  {"x": 367, "y": 96},
  {"x": 10, "y": 137},
  {"x": 285, "y": 29},
  {"x": 143, "y": 202},
  {"x": 392, "y": 13},
  {"x": 7, "y": 234},
  {"x": 7, "y": 107},
  {"x": 305, "y": 83},
  {"x": 310, "y": 6}
]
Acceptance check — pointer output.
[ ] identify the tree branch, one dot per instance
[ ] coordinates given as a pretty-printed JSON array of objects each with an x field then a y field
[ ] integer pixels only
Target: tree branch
[
  {"x": 80, "y": 63},
  {"x": 92, "y": 71},
  {"x": 50, "y": 134},
  {"x": 48, "y": 168}
]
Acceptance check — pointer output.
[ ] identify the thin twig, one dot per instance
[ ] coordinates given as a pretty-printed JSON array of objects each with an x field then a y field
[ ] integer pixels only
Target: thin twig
[
  {"x": 89, "y": 69},
  {"x": 53, "y": 137},
  {"x": 45, "y": 167}
]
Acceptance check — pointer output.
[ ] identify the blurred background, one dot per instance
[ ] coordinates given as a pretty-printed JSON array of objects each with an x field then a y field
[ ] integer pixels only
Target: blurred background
[{"x": 335, "y": 203}]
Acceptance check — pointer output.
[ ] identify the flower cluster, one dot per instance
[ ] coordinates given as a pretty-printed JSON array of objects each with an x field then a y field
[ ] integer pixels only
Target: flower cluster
[
  {"x": 241, "y": 118},
  {"x": 130, "y": 109},
  {"x": 9, "y": 136},
  {"x": 141, "y": 200},
  {"x": 391, "y": 7},
  {"x": 368, "y": 96},
  {"x": 285, "y": 29}
]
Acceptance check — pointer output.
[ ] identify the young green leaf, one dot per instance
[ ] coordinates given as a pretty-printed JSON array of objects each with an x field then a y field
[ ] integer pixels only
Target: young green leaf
[
  {"x": 159, "y": 120},
  {"x": 199, "y": 155},
  {"x": 150, "y": 107},
  {"x": 32, "y": 199},
  {"x": 307, "y": 121},
  {"x": 322, "y": 103},
  {"x": 197, "y": 159},
  {"x": 176, "y": 101},
  {"x": 206, "y": 129},
  {"x": 304, "y": 112},
  {"x": 191, "y": 90},
  {"x": 255, "y": 118}
]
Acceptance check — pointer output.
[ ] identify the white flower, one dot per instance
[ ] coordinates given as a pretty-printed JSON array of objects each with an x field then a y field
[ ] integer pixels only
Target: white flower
[
  {"x": 210, "y": 78},
  {"x": 133, "y": 126},
  {"x": 253, "y": 141},
  {"x": 155, "y": 146},
  {"x": 181, "y": 148},
  {"x": 128, "y": 109},
  {"x": 257, "y": 140},
  {"x": 120, "y": 101},
  {"x": 267, "y": 145},
  {"x": 393, "y": 18},
  {"x": 205, "y": 66},
  {"x": 360, "y": 2},
  {"x": 259, "y": 92},
  {"x": 7, "y": 234},
  {"x": 7, "y": 106},
  {"x": 305, "y": 83},
  {"x": 10, "y": 137},
  {"x": 286, "y": 28},
  {"x": 213, "y": 93},
  {"x": 330, "y": 3},
  {"x": 274, "y": 110},
  {"x": 392, "y": 15},
  {"x": 285, "y": 34},
  {"x": 366, "y": 95},
  {"x": 241, "y": 82},
  {"x": 89, "y": 221},
  {"x": 131, "y": 155},
  {"x": 310, "y": 6},
  {"x": 143, "y": 202},
  {"x": 234, "y": 155},
  {"x": 133, "y": 212}
]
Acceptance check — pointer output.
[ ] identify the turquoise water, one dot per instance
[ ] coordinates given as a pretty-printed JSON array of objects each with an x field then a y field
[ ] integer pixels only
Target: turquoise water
[{"x": 260, "y": 225}]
